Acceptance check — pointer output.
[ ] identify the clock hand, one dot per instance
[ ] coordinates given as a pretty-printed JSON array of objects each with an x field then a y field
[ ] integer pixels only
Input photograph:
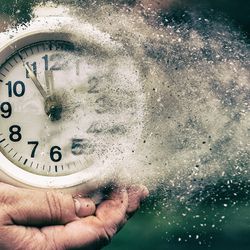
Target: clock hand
[
  {"x": 49, "y": 79},
  {"x": 35, "y": 80},
  {"x": 53, "y": 105}
]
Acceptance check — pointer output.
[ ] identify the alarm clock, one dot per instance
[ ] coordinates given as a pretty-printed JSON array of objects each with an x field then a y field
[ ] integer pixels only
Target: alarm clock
[{"x": 71, "y": 105}]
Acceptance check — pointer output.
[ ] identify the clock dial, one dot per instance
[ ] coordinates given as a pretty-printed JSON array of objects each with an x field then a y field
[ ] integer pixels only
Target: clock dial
[{"x": 64, "y": 109}]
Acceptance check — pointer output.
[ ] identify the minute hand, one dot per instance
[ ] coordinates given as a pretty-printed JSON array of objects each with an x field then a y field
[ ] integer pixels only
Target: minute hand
[
  {"x": 49, "y": 79},
  {"x": 35, "y": 81}
]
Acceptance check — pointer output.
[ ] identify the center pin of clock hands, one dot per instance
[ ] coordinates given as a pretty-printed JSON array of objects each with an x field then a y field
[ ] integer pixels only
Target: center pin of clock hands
[{"x": 53, "y": 106}]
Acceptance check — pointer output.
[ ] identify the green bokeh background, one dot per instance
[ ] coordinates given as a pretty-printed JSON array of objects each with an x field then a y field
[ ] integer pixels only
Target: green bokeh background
[{"x": 164, "y": 225}]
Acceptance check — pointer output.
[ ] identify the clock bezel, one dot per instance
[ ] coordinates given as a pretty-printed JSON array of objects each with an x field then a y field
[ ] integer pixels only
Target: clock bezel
[{"x": 89, "y": 175}]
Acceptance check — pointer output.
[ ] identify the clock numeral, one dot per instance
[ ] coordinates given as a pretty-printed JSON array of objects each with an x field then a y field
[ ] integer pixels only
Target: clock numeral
[
  {"x": 46, "y": 62},
  {"x": 33, "y": 152},
  {"x": 34, "y": 69},
  {"x": 56, "y": 154},
  {"x": 104, "y": 104},
  {"x": 18, "y": 88},
  {"x": 81, "y": 146},
  {"x": 15, "y": 133},
  {"x": 56, "y": 60},
  {"x": 77, "y": 146},
  {"x": 6, "y": 109},
  {"x": 93, "y": 84}
]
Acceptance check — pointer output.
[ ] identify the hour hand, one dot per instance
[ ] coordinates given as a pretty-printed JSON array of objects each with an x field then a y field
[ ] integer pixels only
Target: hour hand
[{"x": 35, "y": 80}]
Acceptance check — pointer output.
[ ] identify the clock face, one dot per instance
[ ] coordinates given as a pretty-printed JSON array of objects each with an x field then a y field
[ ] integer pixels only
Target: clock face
[{"x": 65, "y": 109}]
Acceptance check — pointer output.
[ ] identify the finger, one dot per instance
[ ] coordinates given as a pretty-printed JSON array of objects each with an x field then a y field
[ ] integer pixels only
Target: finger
[
  {"x": 92, "y": 232},
  {"x": 38, "y": 208},
  {"x": 112, "y": 212},
  {"x": 136, "y": 194},
  {"x": 84, "y": 207},
  {"x": 89, "y": 233},
  {"x": 96, "y": 232},
  {"x": 85, "y": 234}
]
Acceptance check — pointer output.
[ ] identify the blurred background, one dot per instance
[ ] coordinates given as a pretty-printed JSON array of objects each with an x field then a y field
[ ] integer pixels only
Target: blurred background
[{"x": 219, "y": 221}]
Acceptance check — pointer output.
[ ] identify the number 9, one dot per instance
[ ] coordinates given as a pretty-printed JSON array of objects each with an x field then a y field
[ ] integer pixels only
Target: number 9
[{"x": 6, "y": 109}]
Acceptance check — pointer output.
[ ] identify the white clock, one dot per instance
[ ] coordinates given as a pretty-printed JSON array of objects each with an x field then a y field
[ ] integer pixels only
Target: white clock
[{"x": 71, "y": 106}]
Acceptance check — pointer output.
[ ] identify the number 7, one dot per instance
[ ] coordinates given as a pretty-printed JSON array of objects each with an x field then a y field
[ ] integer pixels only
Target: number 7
[{"x": 35, "y": 143}]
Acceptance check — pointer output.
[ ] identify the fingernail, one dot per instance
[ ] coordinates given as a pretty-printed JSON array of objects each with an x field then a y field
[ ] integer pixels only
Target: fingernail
[
  {"x": 144, "y": 192},
  {"x": 77, "y": 205},
  {"x": 84, "y": 207}
]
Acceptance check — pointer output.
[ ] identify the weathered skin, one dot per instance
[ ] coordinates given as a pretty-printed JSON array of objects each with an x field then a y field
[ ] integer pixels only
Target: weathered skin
[{"x": 31, "y": 220}]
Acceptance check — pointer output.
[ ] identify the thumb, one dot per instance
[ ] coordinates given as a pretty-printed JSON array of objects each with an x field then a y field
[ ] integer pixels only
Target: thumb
[{"x": 39, "y": 208}]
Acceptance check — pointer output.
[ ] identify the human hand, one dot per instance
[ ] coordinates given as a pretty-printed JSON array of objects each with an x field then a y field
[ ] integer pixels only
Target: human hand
[{"x": 50, "y": 220}]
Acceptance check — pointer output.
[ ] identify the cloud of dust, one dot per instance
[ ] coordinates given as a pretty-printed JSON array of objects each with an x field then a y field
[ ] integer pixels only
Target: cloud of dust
[
  {"x": 196, "y": 82},
  {"x": 195, "y": 79}
]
